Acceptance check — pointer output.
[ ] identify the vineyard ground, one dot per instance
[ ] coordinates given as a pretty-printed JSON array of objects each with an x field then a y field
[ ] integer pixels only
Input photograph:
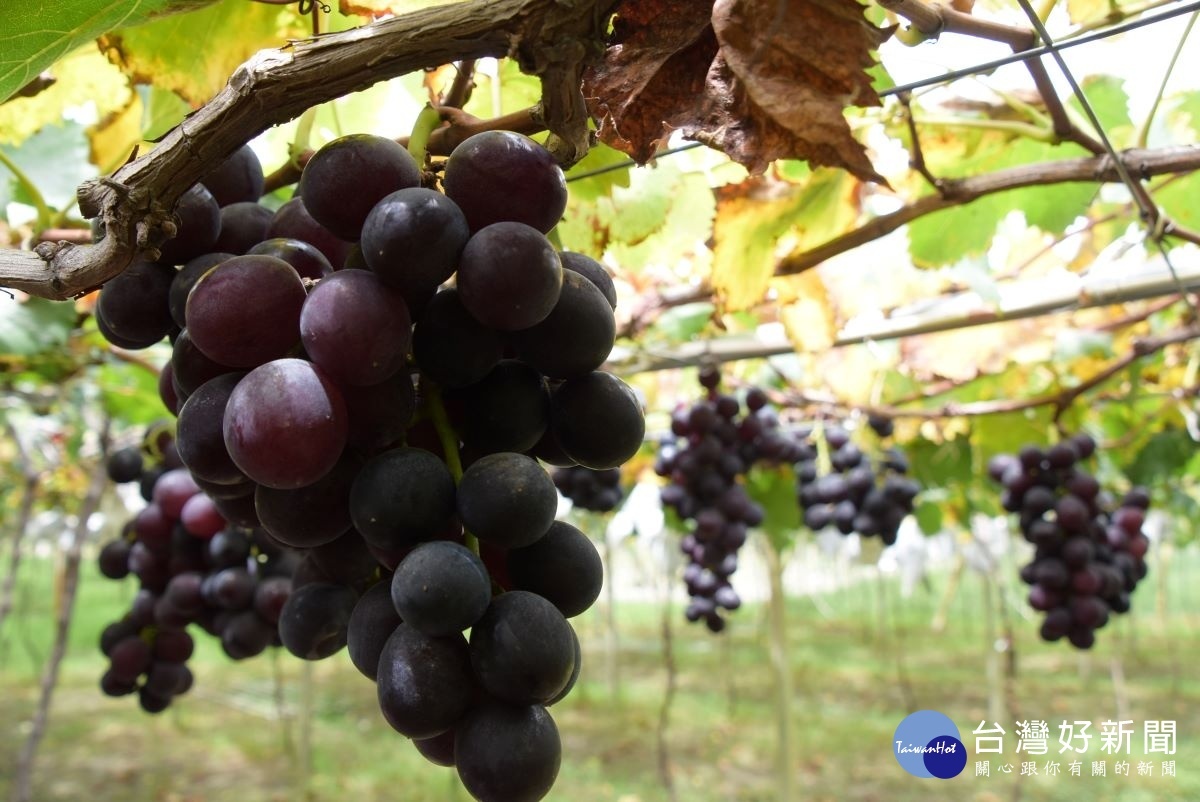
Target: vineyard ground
[{"x": 860, "y": 658}]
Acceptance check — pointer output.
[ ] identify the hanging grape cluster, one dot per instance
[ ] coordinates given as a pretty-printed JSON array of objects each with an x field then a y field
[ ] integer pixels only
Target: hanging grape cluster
[
  {"x": 332, "y": 390},
  {"x": 1089, "y": 553},
  {"x": 858, "y": 493},
  {"x": 192, "y": 568},
  {"x": 716, "y": 443},
  {"x": 595, "y": 491}
]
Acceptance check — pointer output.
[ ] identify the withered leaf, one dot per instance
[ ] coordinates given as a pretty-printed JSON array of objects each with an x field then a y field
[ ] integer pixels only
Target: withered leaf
[
  {"x": 653, "y": 73},
  {"x": 758, "y": 79}
]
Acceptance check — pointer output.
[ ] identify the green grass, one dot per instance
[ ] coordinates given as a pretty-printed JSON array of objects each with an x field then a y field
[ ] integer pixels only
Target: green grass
[{"x": 860, "y": 660}]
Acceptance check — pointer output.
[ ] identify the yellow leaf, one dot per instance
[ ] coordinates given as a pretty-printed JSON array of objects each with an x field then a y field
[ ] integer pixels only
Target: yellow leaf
[
  {"x": 194, "y": 54},
  {"x": 82, "y": 78},
  {"x": 1086, "y": 10},
  {"x": 113, "y": 138},
  {"x": 755, "y": 215},
  {"x": 806, "y": 312}
]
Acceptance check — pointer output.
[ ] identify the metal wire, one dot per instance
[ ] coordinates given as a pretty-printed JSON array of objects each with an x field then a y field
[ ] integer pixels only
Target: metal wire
[
  {"x": 1025, "y": 55},
  {"x": 1150, "y": 212}
]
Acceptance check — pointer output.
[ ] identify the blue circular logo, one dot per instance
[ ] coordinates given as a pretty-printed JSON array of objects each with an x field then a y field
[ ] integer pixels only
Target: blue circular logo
[{"x": 927, "y": 744}]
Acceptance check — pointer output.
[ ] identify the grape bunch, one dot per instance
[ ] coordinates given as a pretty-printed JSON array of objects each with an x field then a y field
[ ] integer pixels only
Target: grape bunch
[
  {"x": 595, "y": 491},
  {"x": 715, "y": 445},
  {"x": 858, "y": 494},
  {"x": 1089, "y": 555},
  {"x": 333, "y": 390},
  {"x": 192, "y": 568}
]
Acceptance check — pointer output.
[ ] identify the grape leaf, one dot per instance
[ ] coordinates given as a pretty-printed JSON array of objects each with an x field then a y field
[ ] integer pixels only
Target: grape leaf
[
  {"x": 129, "y": 393},
  {"x": 1178, "y": 200},
  {"x": 806, "y": 312},
  {"x": 750, "y": 79},
  {"x": 83, "y": 76},
  {"x": 113, "y": 138},
  {"x": 41, "y": 34},
  {"x": 194, "y": 54},
  {"x": 774, "y": 489},
  {"x": 1107, "y": 96},
  {"x": 55, "y": 160},
  {"x": 162, "y": 111},
  {"x": 1084, "y": 10},
  {"x": 753, "y": 215},
  {"x": 1162, "y": 459},
  {"x": 30, "y": 327},
  {"x": 682, "y": 323}
]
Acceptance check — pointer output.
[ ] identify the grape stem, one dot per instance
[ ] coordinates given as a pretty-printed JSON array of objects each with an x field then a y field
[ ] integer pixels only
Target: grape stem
[
  {"x": 418, "y": 141},
  {"x": 449, "y": 440}
]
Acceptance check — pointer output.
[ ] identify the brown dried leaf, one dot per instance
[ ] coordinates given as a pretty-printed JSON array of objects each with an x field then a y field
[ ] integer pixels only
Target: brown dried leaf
[
  {"x": 653, "y": 73},
  {"x": 758, "y": 79}
]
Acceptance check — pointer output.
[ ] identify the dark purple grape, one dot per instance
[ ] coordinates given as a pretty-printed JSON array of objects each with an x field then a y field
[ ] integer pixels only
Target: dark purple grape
[
  {"x": 285, "y": 424},
  {"x": 355, "y": 328},
  {"x": 412, "y": 238},
  {"x": 238, "y": 179},
  {"x": 246, "y": 311},
  {"x": 498, "y": 176},
  {"x": 344, "y": 180},
  {"x": 307, "y": 260},
  {"x": 509, "y": 276}
]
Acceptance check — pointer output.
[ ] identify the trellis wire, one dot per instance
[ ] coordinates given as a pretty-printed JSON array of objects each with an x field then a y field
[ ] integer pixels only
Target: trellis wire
[{"x": 1151, "y": 214}]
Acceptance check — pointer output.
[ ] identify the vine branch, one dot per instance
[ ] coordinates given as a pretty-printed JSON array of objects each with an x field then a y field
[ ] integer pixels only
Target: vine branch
[
  {"x": 1059, "y": 400},
  {"x": 549, "y": 38},
  {"x": 959, "y": 192}
]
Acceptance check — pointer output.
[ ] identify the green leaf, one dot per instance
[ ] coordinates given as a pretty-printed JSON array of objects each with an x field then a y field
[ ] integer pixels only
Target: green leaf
[
  {"x": 1187, "y": 109},
  {"x": 194, "y": 54},
  {"x": 1006, "y": 433},
  {"x": 939, "y": 465},
  {"x": 774, "y": 489},
  {"x": 592, "y": 187},
  {"x": 929, "y": 517},
  {"x": 162, "y": 110},
  {"x": 37, "y": 36},
  {"x": 682, "y": 323},
  {"x": 1107, "y": 96},
  {"x": 947, "y": 236},
  {"x": 663, "y": 217},
  {"x": 55, "y": 160},
  {"x": 1162, "y": 459},
  {"x": 516, "y": 91},
  {"x": 129, "y": 393},
  {"x": 1178, "y": 200},
  {"x": 34, "y": 326}
]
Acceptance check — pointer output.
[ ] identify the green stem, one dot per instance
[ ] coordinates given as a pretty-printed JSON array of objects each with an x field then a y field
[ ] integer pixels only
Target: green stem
[
  {"x": 449, "y": 440},
  {"x": 39, "y": 203},
  {"x": 1144, "y": 133},
  {"x": 303, "y": 135},
  {"x": 1011, "y": 126},
  {"x": 427, "y": 121}
]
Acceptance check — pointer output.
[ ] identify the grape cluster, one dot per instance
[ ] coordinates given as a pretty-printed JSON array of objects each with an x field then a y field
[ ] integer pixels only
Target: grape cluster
[
  {"x": 1089, "y": 555},
  {"x": 715, "y": 445},
  {"x": 192, "y": 568},
  {"x": 858, "y": 494},
  {"x": 330, "y": 390},
  {"x": 595, "y": 491}
]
